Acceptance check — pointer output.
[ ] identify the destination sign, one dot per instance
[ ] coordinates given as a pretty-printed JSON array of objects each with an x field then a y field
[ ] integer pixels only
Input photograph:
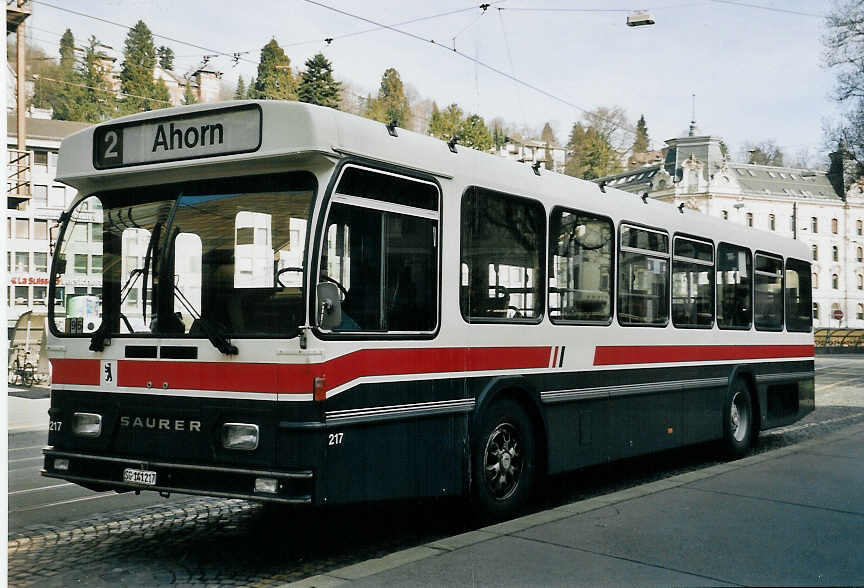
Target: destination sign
[{"x": 202, "y": 134}]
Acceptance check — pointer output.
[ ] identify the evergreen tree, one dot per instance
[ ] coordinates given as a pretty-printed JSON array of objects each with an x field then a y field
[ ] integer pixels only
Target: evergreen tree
[
  {"x": 447, "y": 123},
  {"x": 67, "y": 52},
  {"x": 166, "y": 57},
  {"x": 317, "y": 85},
  {"x": 93, "y": 99},
  {"x": 548, "y": 135},
  {"x": 188, "y": 94},
  {"x": 391, "y": 105},
  {"x": 136, "y": 75},
  {"x": 275, "y": 80},
  {"x": 250, "y": 89},
  {"x": 474, "y": 133},
  {"x": 642, "y": 142},
  {"x": 499, "y": 137},
  {"x": 590, "y": 153},
  {"x": 240, "y": 92}
]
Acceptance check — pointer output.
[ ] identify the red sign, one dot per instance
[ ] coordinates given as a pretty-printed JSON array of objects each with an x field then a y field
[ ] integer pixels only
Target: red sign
[
  {"x": 838, "y": 314},
  {"x": 37, "y": 281}
]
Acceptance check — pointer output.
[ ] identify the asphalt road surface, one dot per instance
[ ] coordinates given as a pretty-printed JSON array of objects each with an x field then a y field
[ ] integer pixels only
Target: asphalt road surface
[{"x": 61, "y": 534}]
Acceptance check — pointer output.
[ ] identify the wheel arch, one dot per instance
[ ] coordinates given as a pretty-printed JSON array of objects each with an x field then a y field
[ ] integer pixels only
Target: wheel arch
[{"x": 745, "y": 374}]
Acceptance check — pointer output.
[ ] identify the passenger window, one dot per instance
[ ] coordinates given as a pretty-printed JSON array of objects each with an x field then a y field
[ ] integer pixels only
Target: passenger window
[
  {"x": 769, "y": 293},
  {"x": 734, "y": 284},
  {"x": 580, "y": 267},
  {"x": 692, "y": 284},
  {"x": 799, "y": 296},
  {"x": 643, "y": 277},
  {"x": 502, "y": 250},
  {"x": 383, "y": 259}
]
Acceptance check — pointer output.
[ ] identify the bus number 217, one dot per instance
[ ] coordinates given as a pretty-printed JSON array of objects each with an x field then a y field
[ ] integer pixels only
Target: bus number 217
[{"x": 335, "y": 439}]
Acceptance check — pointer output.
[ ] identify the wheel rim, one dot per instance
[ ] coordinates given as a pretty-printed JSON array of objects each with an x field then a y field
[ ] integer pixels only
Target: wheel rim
[
  {"x": 502, "y": 461},
  {"x": 739, "y": 416}
]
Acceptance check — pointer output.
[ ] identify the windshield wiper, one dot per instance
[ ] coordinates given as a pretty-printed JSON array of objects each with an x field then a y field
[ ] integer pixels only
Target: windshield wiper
[{"x": 219, "y": 341}]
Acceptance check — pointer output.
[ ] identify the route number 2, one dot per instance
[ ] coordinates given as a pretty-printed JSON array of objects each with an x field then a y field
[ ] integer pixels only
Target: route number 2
[
  {"x": 111, "y": 145},
  {"x": 335, "y": 439}
]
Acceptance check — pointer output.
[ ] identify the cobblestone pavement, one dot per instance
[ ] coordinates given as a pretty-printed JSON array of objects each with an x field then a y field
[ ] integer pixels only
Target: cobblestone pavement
[{"x": 217, "y": 542}]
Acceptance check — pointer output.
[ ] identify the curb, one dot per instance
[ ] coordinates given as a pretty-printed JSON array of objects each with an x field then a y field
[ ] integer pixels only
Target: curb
[{"x": 414, "y": 554}]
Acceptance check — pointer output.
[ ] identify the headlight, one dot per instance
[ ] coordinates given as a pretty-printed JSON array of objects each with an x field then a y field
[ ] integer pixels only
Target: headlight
[
  {"x": 239, "y": 436},
  {"x": 87, "y": 424}
]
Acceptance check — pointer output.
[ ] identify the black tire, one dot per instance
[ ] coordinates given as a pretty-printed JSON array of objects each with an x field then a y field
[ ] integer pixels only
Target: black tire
[
  {"x": 503, "y": 461},
  {"x": 738, "y": 420}
]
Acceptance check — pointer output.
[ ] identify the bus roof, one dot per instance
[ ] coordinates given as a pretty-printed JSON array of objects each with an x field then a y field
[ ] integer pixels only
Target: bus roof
[{"x": 287, "y": 130}]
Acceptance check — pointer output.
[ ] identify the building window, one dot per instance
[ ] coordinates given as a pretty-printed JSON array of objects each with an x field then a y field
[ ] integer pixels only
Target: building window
[
  {"x": 22, "y": 295},
  {"x": 834, "y": 225},
  {"x": 772, "y": 222},
  {"x": 814, "y": 250},
  {"x": 834, "y": 308},
  {"x": 814, "y": 224},
  {"x": 749, "y": 219},
  {"x": 22, "y": 228},
  {"x": 835, "y": 281},
  {"x": 860, "y": 313},
  {"x": 40, "y": 196},
  {"x": 57, "y": 197},
  {"x": 40, "y": 295},
  {"x": 815, "y": 280},
  {"x": 725, "y": 215},
  {"x": 815, "y": 311},
  {"x": 40, "y": 262},
  {"x": 40, "y": 158},
  {"x": 792, "y": 224},
  {"x": 96, "y": 264},
  {"x": 859, "y": 253},
  {"x": 40, "y": 229},
  {"x": 859, "y": 227},
  {"x": 835, "y": 253},
  {"x": 22, "y": 262},
  {"x": 80, "y": 263}
]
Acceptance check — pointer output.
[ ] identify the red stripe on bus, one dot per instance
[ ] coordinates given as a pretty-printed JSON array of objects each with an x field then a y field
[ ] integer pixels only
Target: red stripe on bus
[
  {"x": 274, "y": 378},
  {"x": 630, "y": 354},
  {"x": 75, "y": 371}
]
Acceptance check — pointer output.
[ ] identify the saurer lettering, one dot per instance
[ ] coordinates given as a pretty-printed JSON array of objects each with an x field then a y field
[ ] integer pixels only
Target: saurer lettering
[
  {"x": 173, "y": 137},
  {"x": 161, "y": 424}
]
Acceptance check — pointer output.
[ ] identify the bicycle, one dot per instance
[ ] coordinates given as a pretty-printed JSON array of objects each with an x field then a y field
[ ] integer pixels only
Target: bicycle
[{"x": 20, "y": 369}]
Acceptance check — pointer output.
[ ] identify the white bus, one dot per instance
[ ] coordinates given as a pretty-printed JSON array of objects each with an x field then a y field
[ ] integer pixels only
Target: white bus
[{"x": 330, "y": 310}]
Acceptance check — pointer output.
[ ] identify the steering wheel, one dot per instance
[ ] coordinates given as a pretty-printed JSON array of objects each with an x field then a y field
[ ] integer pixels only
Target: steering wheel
[{"x": 285, "y": 270}]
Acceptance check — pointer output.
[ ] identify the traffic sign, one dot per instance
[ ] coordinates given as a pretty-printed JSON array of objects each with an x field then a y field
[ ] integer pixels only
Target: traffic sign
[{"x": 838, "y": 315}]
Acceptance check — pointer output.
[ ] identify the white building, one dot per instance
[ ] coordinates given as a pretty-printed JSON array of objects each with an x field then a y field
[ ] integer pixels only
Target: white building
[
  {"x": 823, "y": 209},
  {"x": 533, "y": 151},
  {"x": 29, "y": 220}
]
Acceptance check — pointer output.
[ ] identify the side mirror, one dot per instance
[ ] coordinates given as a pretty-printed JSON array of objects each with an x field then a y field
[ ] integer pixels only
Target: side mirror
[{"x": 329, "y": 307}]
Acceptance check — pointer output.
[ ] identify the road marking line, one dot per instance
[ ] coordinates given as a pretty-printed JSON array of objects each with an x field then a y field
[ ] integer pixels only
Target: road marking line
[
  {"x": 821, "y": 389},
  {"x": 811, "y": 425},
  {"x": 62, "y": 502},
  {"x": 39, "y": 457},
  {"x": 30, "y": 447},
  {"x": 40, "y": 488}
]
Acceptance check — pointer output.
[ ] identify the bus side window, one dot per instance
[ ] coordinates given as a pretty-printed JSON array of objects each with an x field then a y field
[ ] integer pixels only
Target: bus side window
[
  {"x": 692, "y": 284},
  {"x": 768, "y": 293},
  {"x": 643, "y": 277},
  {"x": 799, "y": 296},
  {"x": 734, "y": 287},
  {"x": 580, "y": 266},
  {"x": 502, "y": 249}
]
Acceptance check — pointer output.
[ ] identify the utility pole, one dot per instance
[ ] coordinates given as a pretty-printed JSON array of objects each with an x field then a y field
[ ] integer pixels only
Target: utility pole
[{"x": 17, "y": 12}]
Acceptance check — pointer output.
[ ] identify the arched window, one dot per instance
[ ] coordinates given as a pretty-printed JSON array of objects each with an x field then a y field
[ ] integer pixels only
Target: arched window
[
  {"x": 859, "y": 227},
  {"x": 749, "y": 219},
  {"x": 835, "y": 253},
  {"x": 834, "y": 225},
  {"x": 834, "y": 307},
  {"x": 815, "y": 311},
  {"x": 814, "y": 224},
  {"x": 860, "y": 314},
  {"x": 815, "y": 253},
  {"x": 835, "y": 281},
  {"x": 860, "y": 254},
  {"x": 815, "y": 280},
  {"x": 725, "y": 215},
  {"x": 772, "y": 222},
  {"x": 860, "y": 282}
]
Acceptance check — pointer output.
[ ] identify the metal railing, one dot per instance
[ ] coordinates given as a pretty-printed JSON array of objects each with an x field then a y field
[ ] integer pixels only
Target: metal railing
[{"x": 18, "y": 179}]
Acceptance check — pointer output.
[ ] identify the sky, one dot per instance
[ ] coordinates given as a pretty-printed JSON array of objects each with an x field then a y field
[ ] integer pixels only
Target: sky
[{"x": 757, "y": 74}]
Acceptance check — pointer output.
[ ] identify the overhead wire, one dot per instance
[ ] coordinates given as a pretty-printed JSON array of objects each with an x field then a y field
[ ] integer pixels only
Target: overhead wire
[{"x": 769, "y": 8}]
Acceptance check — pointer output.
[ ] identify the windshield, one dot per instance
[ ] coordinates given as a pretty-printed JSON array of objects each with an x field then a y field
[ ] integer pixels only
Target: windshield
[{"x": 222, "y": 257}]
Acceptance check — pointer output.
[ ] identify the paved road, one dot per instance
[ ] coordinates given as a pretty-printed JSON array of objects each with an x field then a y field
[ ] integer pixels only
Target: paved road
[{"x": 61, "y": 534}]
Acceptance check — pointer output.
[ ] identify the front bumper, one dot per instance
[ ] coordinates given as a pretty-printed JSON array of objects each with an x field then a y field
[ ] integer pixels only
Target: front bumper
[{"x": 294, "y": 487}]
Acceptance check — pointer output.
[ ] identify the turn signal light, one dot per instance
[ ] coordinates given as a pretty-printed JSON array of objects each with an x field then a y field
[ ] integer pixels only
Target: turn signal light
[{"x": 61, "y": 464}]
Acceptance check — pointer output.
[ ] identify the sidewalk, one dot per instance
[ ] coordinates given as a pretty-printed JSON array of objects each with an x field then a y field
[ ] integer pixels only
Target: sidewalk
[
  {"x": 27, "y": 414},
  {"x": 793, "y": 516}
]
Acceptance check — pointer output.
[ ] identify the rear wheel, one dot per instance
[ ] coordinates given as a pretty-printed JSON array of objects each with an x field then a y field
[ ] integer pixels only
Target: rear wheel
[
  {"x": 738, "y": 420},
  {"x": 503, "y": 461}
]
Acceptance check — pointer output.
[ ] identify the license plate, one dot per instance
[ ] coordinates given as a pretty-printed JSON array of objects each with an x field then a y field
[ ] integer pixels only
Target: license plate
[{"x": 144, "y": 477}]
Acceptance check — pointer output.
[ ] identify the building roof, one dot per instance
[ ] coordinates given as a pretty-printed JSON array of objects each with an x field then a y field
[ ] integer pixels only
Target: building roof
[
  {"x": 783, "y": 181},
  {"x": 41, "y": 128}
]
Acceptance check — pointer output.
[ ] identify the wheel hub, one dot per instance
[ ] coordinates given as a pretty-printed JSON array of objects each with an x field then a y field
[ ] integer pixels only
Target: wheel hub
[{"x": 502, "y": 461}]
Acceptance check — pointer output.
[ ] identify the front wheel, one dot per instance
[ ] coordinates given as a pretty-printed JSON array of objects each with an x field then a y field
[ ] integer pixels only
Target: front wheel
[
  {"x": 738, "y": 420},
  {"x": 503, "y": 461}
]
